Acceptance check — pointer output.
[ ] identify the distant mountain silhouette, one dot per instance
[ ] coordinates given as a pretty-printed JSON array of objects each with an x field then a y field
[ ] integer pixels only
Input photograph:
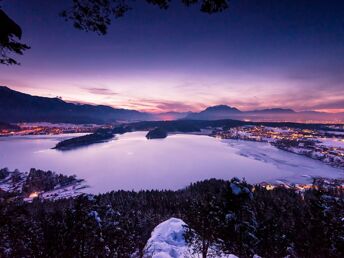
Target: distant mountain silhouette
[
  {"x": 272, "y": 111},
  {"x": 19, "y": 107},
  {"x": 221, "y": 108},
  {"x": 273, "y": 114},
  {"x": 215, "y": 113}
]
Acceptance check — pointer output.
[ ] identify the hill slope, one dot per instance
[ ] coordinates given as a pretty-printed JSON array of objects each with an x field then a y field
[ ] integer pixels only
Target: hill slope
[{"x": 20, "y": 107}]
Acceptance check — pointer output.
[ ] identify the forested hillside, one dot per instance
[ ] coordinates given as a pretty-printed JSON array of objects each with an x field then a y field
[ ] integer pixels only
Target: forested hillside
[{"x": 232, "y": 216}]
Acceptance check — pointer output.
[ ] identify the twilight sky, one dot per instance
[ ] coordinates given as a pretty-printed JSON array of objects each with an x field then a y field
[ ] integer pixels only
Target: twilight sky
[{"x": 257, "y": 54}]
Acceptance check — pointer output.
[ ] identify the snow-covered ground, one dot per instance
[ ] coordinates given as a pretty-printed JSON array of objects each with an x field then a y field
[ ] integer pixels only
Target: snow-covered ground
[
  {"x": 333, "y": 132},
  {"x": 332, "y": 142},
  {"x": 14, "y": 184},
  {"x": 9, "y": 185},
  {"x": 69, "y": 191}
]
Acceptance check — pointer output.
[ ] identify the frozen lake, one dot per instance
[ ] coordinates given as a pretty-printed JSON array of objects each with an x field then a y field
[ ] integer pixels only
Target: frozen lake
[{"x": 131, "y": 162}]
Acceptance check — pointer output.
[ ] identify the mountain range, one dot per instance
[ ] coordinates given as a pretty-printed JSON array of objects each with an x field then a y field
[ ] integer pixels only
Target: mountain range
[
  {"x": 265, "y": 115},
  {"x": 20, "y": 107}
]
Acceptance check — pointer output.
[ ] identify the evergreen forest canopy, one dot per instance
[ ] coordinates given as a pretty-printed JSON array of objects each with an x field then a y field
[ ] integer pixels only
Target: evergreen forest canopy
[{"x": 233, "y": 216}]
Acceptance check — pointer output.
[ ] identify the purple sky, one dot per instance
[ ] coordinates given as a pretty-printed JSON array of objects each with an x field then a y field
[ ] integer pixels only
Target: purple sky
[{"x": 258, "y": 54}]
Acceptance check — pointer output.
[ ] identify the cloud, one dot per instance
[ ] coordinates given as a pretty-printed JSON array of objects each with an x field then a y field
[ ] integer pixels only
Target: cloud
[
  {"x": 101, "y": 91},
  {"x": 174, "y": 106},
  {"x": 337, "y": 104},
  {"x": 153, "y": 105}
]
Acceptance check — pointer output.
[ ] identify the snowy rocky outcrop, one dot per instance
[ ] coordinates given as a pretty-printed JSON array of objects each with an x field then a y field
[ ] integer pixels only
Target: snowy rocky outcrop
[{"x": 167, "y": 241}]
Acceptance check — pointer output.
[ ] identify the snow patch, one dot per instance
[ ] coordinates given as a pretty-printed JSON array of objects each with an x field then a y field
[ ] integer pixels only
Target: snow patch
[
  {"x": 236, "y": 190},
  {"x": 167, "y": 240},
  {"x": 332, "y": 142}
]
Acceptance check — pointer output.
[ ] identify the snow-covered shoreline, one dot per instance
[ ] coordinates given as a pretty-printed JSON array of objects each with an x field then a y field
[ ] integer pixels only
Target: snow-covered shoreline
[
  {"x": 17, "y": 183},
  {"x": 267, "y": 153}
]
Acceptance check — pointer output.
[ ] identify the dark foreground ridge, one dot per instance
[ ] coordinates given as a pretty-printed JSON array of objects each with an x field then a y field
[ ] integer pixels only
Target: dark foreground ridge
[{"x": 231, "y": 216}]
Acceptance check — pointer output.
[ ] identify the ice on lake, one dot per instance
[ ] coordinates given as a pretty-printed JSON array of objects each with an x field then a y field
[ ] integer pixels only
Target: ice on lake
[{"x": 131, "y": 162}]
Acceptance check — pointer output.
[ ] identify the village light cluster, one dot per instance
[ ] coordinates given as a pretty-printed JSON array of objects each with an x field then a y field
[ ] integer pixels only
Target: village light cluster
[
  {"x": 321, "y": 145},
  {"x": 48, "y": 129}
]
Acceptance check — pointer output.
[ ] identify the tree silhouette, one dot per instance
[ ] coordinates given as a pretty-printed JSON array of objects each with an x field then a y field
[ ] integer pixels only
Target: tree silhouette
[
  {"x": 9, "y": 31},
  {"x": 88, "y": 15},
  {"x": 96, "y": 15}
]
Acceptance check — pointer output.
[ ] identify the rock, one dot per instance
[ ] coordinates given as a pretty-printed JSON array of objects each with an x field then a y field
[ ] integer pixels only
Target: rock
[{"x": 167, "y": 240}]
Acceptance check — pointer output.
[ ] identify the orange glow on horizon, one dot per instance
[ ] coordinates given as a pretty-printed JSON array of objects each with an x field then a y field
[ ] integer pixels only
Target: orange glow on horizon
[{"x": 332, "y": 111}]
